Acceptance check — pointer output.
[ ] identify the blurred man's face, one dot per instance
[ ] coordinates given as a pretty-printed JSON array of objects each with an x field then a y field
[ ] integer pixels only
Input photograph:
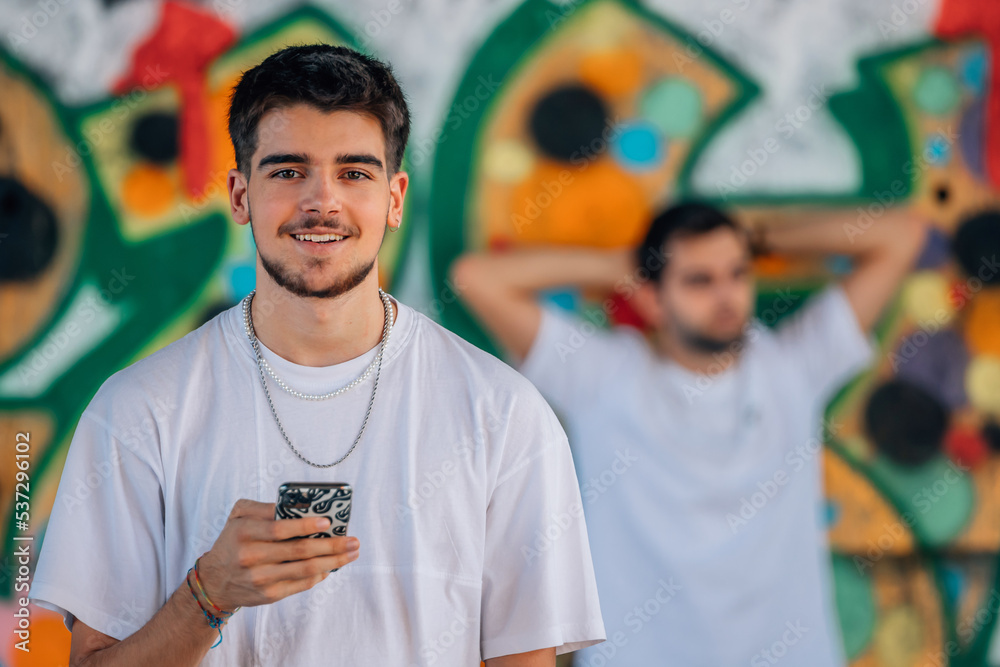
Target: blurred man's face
[
  {"x": 319, "y": 198},
  {"x": 706, "y": 291}
]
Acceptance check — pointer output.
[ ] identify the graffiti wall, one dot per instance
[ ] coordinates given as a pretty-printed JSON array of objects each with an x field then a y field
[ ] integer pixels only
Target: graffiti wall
[{"x": 540, "y": 122}]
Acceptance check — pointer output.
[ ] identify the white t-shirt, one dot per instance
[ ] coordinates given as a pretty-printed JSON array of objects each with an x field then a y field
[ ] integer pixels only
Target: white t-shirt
[
  {"x": 703, "y": 493},
  {"x": 466, "y": 503}
]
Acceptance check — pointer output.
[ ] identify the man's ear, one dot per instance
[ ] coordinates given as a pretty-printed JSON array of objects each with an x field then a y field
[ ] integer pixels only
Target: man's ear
[
  {"x": 397, "y": 192},
  {"x": 239, "y": 206},
  {"x": 646, "y": 303}
]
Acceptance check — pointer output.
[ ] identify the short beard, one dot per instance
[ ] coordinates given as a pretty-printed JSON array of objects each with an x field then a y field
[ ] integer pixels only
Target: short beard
[
  {"x": 698, "y": 342},
  {"x": 297, "y": 286}
]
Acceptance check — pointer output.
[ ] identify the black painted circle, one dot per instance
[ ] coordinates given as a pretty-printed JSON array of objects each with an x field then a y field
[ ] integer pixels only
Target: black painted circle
[
  {"x": 942, "y": 193},
  {"x": 567, "y": 123},
  {"x": 991, "y": 434},
  {"x": 977, "y": 246},
  {"x": 28, "y": 232},
  {"x": 154, "y": 137},
  {"x": 906, "y": 423}
]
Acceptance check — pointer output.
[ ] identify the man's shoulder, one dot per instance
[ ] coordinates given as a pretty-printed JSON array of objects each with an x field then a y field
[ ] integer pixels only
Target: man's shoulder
[
  {"x": 170, "y": 364},
  {"x": 458, "y": 356},
  {"x": 588, "y": 339},
  {"x": 776, "y": 325}
]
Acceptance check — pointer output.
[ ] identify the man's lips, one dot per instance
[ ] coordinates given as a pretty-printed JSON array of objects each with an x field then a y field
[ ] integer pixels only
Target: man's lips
[
  {"x": 319, "y": 237},
  {"x": 321, "y": 248}
]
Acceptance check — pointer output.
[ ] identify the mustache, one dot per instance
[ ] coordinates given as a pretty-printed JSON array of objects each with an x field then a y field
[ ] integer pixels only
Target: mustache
[{"x": 313, "y": 222}]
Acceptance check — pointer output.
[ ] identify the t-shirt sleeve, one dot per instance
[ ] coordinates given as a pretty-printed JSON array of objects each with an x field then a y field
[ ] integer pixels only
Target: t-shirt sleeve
[
  {"x": 102, "y": 553},
  {"x": 569, "y": 357},
  {"x": 825, "y": 341},
  {"x": 539, "y": 587}
]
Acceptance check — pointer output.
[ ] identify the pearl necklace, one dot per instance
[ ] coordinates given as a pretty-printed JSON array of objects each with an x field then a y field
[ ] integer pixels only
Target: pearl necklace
[{"x": 261, "y": 363}]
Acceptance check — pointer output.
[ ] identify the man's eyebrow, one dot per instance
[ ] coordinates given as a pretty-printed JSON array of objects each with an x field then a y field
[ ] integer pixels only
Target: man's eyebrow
[
  {"x": 302, "y": 158},
  {"x": 360, "y": 158},
  {"x": 283, "y": 158}
]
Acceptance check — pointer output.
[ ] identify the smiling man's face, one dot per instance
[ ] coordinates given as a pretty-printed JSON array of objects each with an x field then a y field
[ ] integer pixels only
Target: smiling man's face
[{"x": 318, "y": 198}]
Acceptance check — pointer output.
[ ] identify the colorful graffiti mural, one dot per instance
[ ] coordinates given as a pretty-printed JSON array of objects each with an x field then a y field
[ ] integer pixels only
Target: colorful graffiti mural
[
  {"x": 571, "y": 123},
  {"x": 602, "y": 114}
]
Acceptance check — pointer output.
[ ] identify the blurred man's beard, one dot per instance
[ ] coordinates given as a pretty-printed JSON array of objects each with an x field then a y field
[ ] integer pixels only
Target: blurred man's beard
[
  {"x": 296, "y": 284},
  {"x": 700, "y": 342}
]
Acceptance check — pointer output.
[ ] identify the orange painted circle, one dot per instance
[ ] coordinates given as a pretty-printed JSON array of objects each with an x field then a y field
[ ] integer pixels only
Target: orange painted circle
[
  {"x": 596, "y": 205},
  {"x": 148, "y": 190},
  {"x": 612, "y": 72},
  {"x": 982, "y": 326}
]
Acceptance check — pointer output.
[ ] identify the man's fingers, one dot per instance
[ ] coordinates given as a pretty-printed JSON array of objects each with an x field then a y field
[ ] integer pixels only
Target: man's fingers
[
  {"x": 244, "y": 507},
  {"x": 274, "y": 530},
  {"x": 266, "y": 549},
  {"x": 297, "y": 570},
  {"x": 313, "y": 547}
]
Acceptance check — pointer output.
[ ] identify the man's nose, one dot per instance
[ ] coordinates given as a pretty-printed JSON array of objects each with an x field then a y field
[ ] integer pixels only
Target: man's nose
[{"x": 322, "y": 196}]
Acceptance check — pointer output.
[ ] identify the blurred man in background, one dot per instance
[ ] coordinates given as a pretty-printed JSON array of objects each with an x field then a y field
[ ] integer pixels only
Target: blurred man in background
[{"x": 698, "y": 444}]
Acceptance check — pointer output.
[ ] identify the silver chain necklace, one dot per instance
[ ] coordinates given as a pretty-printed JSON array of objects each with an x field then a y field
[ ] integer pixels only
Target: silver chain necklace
[{"x": 386, "y": 330}]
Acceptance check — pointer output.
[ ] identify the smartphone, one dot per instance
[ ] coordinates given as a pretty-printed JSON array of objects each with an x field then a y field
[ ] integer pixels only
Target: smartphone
[{"x": 305, "y": 499}]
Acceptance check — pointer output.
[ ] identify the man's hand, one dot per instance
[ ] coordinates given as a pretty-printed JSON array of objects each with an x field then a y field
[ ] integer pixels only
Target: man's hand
[
  {"x": 883, "y": 253},
  {"x": 247, "y": 564}
]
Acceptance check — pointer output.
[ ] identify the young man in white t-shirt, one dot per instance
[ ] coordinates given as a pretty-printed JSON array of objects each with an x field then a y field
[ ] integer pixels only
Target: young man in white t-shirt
[
  {"x": 674, "y": 433},
  {"x": 466, "y": 538}
]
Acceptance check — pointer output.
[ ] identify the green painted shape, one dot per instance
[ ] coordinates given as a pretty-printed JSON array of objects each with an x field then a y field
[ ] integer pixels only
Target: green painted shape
[
  {"x": 872, "y": 117},
  {"x": 509, "y": 48},
  {"x": 675, "y": 106},
  {"x": 855, "y": 600},
  {"x": 172, "y": 271},
  {"x": 772, "y": 305},
  {"x": 976, "y": 654},
  {"x": 937, "y": 497},
  {"x": 928, "y": 556},
  {"x": 937, "y": 91},
  {"x": 875, "y": 120}
]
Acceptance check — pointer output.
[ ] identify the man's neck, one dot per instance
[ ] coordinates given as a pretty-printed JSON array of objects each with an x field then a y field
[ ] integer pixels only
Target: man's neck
[
  {"x": 318, "y": 332},
  {"x": 666, "y": 346}
]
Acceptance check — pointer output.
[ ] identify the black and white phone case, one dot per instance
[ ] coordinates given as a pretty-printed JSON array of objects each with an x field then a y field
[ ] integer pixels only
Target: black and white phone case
[{"x": 304, "y": 499}]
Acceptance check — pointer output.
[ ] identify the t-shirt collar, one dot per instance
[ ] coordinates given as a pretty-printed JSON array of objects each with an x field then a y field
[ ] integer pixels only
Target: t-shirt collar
[{"x": 320, "y": 379}]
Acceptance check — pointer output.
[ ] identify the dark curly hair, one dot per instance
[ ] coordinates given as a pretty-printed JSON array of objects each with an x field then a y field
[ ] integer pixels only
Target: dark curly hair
[
  {"x": 684, "y": 219},
  {"x": 330, "y": 78}
]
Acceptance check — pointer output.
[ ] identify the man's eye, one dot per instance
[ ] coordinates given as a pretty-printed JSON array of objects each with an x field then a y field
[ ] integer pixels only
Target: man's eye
[
  {"x": 289, "y": 172},
  {"x": 359, "y": 173}
]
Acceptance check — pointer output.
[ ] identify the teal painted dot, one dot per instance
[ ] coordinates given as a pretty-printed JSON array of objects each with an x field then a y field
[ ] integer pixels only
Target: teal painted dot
[
  {"x": 974, "y": 66},
  {"x": 565, "y": 299},
  {"x": 839, "y": 265},
  {"x": 937, "y": 91},
  {"x": 242, "y": 280},
  {"x": 954, "y": 583},
  {"x": 937, "y": 150},
  {"x": 832, "y": 513},
  {"x": 638, "y": 147},
  {"x": 855, "y": 605},
  {"x": 675, "y": 106}
]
